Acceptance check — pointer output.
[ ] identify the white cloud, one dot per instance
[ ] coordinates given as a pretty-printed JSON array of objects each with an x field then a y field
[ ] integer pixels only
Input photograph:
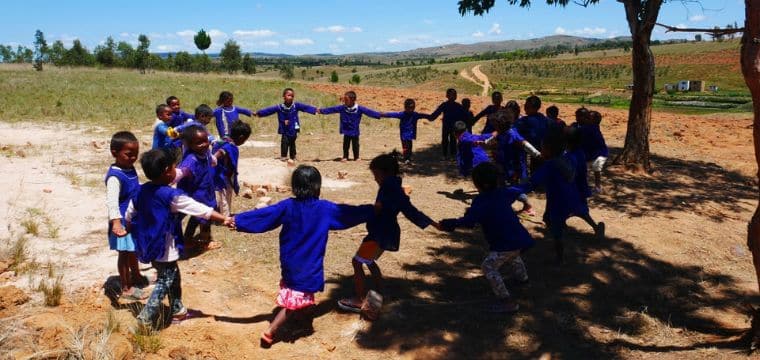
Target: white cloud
[
  {"x": 338, "y": 29},
  {"x": 297, "y": 42},
  {"x": 217, "y": 34},
  {"x": 270, "y": 43},
  {"x": 478, "y": 34},
  {"x": 681, "y": 26},
  {"x": 560, "y": 30},
  {"x": 416, "y": 40},
  {"x": 186, "y": 33},
  {"x": 587, "y": 31},
  {"x": 394, "y": 41},
  {"x": 495, "y": 29},
  {"x": 247, "y": 34},
  {"x": 167, "y": 48},
  {"x": 127, "y": 35},
  {"x": 340, "y": 39},
  {"x": 697, "y": 18}
]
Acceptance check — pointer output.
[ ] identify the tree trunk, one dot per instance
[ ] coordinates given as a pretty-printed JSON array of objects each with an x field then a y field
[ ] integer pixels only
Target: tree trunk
[{"x": 636, "y": 149}]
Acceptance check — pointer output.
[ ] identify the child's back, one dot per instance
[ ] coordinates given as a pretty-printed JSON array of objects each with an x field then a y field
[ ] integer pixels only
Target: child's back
[
  {"x": 511, "y": 156},
  {"x": 470, "y": 154},
  {"x": 200, "y": 184},
  {"x": 593, "y": 143},
  {"x": 153, "y": 222},
  {"x": 384, "y": 227},
  {"x": 563, "y": 199}
]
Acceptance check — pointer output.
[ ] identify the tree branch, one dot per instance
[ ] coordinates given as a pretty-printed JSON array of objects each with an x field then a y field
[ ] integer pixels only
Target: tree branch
[{"x": 711, "y": 31}]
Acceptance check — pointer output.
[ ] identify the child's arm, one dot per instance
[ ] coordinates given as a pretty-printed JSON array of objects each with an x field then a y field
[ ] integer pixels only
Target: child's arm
[
  {"x": 530, "y": 149},
  {"x": 331, "y": 110},
  {"x": 414, "y": 215},
  {"x": 394, "y": 115},
  {"x": 469, "y": 220},
  {"x": 186, "y": 205},
  {"x": 370, "y": 112},
  {"x": 428, "y": 117},
  {"x": 347, "y": 216},
  {"x": 437, "y": 112},
  {"x": 113, "y": 187},
  {"x": 267, "y": 111},
  {"x": 306, "y": 108},
  {"x": 260, "y": 220},
  {"x": 244, "y": 111},
  {"x": 128, "y": 215}
]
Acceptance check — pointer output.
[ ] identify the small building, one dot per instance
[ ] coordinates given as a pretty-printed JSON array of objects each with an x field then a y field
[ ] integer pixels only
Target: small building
[
  {"x": 712, "y": 88},
  {"x": 683, "y": 85},
  {"x": 671, "y": 87},
  {"x": 697, "y": 86}
]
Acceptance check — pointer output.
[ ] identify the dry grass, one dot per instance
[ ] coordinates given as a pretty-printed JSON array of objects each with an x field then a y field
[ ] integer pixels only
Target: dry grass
[
  {"x": 51, "y": 287},
  {"x": 147, "y": 339}
]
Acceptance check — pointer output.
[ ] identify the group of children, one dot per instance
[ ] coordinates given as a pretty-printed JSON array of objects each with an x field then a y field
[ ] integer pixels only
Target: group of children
[{"x": 190, "y": 172}]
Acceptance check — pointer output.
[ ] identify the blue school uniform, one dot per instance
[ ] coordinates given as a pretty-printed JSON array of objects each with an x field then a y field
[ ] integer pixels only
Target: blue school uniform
[
  {"x": 383, "y": 227},
  {"x": 592, "y": 142},
  {"x": 129, "y": 185},
  {"x": 303, "y": 237},
  {"x": 452, "y": 112},
  {"x": 226, "y": 173},
  {"x": 578, "y": 160},
  {"x": 488, "y": 127},
  {"x": 501, "y": 227},
  {"x": 153, "y": 221},
  {"x": 161, "y": 139},
  {"x": 511, "y": 155},
  {"x": 563, "y": 199},
  {"x": 534, "y": 128},
  {"x": 179, "y": 118},
  {"x": 226, "y": 116},
  {"x": 200, "y": 184},
  {"x": 469, "y": 154},
  {"x": 287, "y": 113},
  {"x": 350, "y": 118},
  {"x": 407, "y": 124}
]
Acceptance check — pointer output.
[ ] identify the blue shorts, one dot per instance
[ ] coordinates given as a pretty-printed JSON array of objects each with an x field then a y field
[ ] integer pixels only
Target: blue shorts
[{"x": 123, "y": 243}]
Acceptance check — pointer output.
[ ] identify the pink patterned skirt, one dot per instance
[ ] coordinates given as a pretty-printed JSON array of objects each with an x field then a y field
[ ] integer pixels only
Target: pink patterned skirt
[{"x": 293, "y": 299}]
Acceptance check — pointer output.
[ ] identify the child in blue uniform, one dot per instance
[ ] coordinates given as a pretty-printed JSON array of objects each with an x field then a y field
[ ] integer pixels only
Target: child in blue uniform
[
  {"x": 470, "y": 152},
  {"x": 306, "y": 221},
  {"x": 162, "y": 132},
  {"x": 383, "y": 231},
  {"x": 196, "y": 178},
  {"x": 496, "y": 99},
  {"x": 594, "y": 146},
  {"x": 289, "y": 124},
  {"x": 226, "y": 113},
  {"x": 469, "y": 117},
  {"x": 153, "y": 222},
  {"x": 226, "y": 170},
  {"x": 502, "y": 229},
  {"x": 350, "y": 119},
  {"x": 407, "y": 126},
  {"x": 121, "y": 186},
  {"x": 563, "y": 200},
  {"x": 179, "y": 117},
  {"x": 452, "y": 112}
]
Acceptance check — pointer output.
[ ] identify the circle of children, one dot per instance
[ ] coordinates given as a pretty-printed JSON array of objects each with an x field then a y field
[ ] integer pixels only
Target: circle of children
[{"x": 191, "y": 173}]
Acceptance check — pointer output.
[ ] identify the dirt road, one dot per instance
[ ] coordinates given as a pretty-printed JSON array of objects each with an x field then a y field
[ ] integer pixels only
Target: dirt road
[{"x": 479, "y": 78}]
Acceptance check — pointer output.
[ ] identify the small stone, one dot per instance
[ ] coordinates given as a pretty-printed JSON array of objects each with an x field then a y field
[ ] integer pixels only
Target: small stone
[
  {"x": 248, "y": 194},
  {"x": 6, "y": 147},
  {"x": 282, "y": 189},
  {"x": 47, "y": 190},
  {"x": 245, "y": 184},
  {"x": 20, "y": 153},
  {"x": 261, "y": 192},
  {"x": 342, "y": 174},
  {"x": 265, "y": 200},
  {"x": 95, "y": 144},
  {"x": 268, "y": 187}
]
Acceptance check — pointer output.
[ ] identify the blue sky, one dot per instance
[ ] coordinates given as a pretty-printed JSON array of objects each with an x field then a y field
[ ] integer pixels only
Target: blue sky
[{"x": 332, "y": 26}]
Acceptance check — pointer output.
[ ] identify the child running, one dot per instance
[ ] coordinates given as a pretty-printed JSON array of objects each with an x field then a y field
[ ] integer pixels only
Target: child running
[
  {"x": 470, "y": 152},
  {"x": 226, "y": 113},
  {"x": 226, "y": 170},
  {"x": 289, "y": 124},
  {"x": 383, "y": 232},
  {"x": 162, "y": 132},
  {"x": 407, "y": 126},
  {"x": 196, "y": 179},
  {"x": 152, "y": 219},
  {"x": 350, "y": 119},
  {"x": 121, "y": 186},
  {"x": 594, "y": 147},
  {"x": 502, "y": 229},
  {"x": 179, "y": 117},
  {"x": 306, "y": 221},
  {"x": 534, "y": 126},
  {"x": 452, "y": 112}
]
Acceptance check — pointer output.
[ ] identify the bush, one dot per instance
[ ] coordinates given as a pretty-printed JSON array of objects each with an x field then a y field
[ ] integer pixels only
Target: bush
[{"x": 334, "y": 77}]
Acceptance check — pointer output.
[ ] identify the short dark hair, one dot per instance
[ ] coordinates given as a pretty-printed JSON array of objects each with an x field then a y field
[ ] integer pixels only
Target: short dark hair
[
  {"x": 170, "y": 99},
  {"x": 514, "y": 107},
  {"x": 502, "y": 120},
  {"x": 203, "y": 110},
  {"x": 466, "y": 101},
  {"x": 240, "y": 129},
  {"x": 223, "y": 97},
  {"x": 573, "y": 137},
  {"x": 495, "y": 94},
  {"x": 595, "y": 116},
  {"x": 409, "y": 102},
  {"x": 189, "y": 132},
  {"x": 306, "y": 182},
  {"x": 160, "y": 108},
  {"x": 119, "y": 139},
  {"x": 582, "y": 112},
  {"x": 485, "y": 176},
  {"x": 385, "y": 163},
  {"x": 286, "y": 90},
  {"x": 155, "y": 162},
  {"x": 460, "y": 127},
  {"x": 451, "y": 91},
  {"x": 552, "y": 111},
  {"x": 350, "y": 94},
  {"x": 555, "y": 142},
  {"x": 534, "y": 101}
]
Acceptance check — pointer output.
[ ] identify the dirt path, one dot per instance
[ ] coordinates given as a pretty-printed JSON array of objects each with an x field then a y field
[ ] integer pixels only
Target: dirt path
[{"x": 479, "y": 78}]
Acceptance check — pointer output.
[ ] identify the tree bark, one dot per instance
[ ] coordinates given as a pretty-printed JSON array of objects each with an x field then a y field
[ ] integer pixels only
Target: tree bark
[{"x": 750, "y": 62}]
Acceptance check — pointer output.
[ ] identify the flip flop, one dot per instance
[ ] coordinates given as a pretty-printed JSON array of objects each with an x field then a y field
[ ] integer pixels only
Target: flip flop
[
  {"x": 266, "y": 341},
  {"x": 348, "y": 304},
  {"x": 183, "y": 316}
]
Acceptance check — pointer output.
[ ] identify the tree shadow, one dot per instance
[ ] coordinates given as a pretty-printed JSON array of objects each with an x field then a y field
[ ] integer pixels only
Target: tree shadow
[
  {"x": 608, "y": 299},
  {"x": 699, "y": 187}
]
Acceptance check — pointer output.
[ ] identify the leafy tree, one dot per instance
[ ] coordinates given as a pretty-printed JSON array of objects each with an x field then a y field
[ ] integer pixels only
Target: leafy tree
[
  {"x": 78, "y": 55},
  {"x": 6, "y": 53},
  {"x": 40, "y": 50},
  {"x": 334, "y": 76},
  {"x": 183, "y": 61},
  {"x": 249, "y": 66},
  {"x": 202, "y": 63},
  {"x": 698, "y": 37},
  {"x": 23, "y": 55},
  {"x": 356, "y": 79},
  {"x": 142, "y": 56},
  {"x": 106, "y": 54},
  {"x": 286, "y": 71},
  {"x": 202, "y": 40},
  {"x": 126, "y": 54},
  {"x": 231, "y": 59},
  {"x": 642, "y": 17},
  {"x": 57, "y": 53}
]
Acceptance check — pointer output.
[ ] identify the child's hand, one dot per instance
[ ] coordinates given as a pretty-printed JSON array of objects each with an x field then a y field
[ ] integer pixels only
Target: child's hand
[
  {"x": 319, "y": 111},
  {"x": 229, "y": 222},
  {"x": 286, "y": 122},
  {"x": 255, "y": 114},
  {"x": 436, "y": 225},
  {"x": 117, "y": 229}
]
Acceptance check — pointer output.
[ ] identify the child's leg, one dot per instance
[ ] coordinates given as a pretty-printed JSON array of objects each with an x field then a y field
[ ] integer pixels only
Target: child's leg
[
  {"x": 279, "y": 319},
  {"x": 346, "y": 144},
  {"x": 377, "y": 276},
  {"x": 490, "y": 267},
  {"x": 355, "y": 147},
  {"x": 597, "y": 166},
  {"x": 122, "y": 263},
  {"x": 406, "y": 149},
  {"x": 283, "y": 146},
  {"x": 175, "y": 289},
  {"x": 164, "y": 280},
  {"x": 452, "y": 144},
  {"x": 134, "y": 268},
  {"x": 192, "y": 224},
  {"x": 517, "y": 268},
  {"x": 293, "y": 147},
  {"x": 359, "y": 280},
  {"x": 557, "y": 230},
  {"x": 444, "y": 142},
  {"x": 599, "y": 227}
]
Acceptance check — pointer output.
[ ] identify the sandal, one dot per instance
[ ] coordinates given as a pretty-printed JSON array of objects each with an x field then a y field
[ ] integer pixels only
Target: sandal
[
  {"x": 266, "y": 341},
  {"x": 135, "y": 295},
  {"x": 350, "y": 304},
  {"x": 182, "y": 315}
]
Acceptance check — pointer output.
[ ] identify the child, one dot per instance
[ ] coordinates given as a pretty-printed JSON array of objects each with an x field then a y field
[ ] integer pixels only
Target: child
[
  {"x": 452, "y": 112},
  {"x": 289, "y": 124},
  {"x": 496, "y": 99},
  {"x": 576, "y": 156},
  {"x": 470, "y": 152},
  {"x": 469, "y": 117},
  {"x": 306, "y": 221},
  {"x": 407, "y": 126},
  {"x": 557, "y": 176},
  {"x": 196, "y": 179},
  {"x": 121, "y": 186},
  {"x": 594, "y": 147},
  {"x": 534, "y": 126},
  {"x": 226, "y": 171},
  {"x": 203, "y": 115},
  {"x": 226, "y": 114},
  {"x": 154, "y": 224},
  {"x": 179, "y": 117},
  {"x": 350, "y": 118},
  {"x": 552, "y": 112},
  {"x": 162, "y": 132},
  {"x": 383, "y": 232},
  {"x": 502, "y": 229}
]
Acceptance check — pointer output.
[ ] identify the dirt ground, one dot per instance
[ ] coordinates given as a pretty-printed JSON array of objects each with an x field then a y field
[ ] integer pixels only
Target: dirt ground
[{"x": 669, "y": 281}]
